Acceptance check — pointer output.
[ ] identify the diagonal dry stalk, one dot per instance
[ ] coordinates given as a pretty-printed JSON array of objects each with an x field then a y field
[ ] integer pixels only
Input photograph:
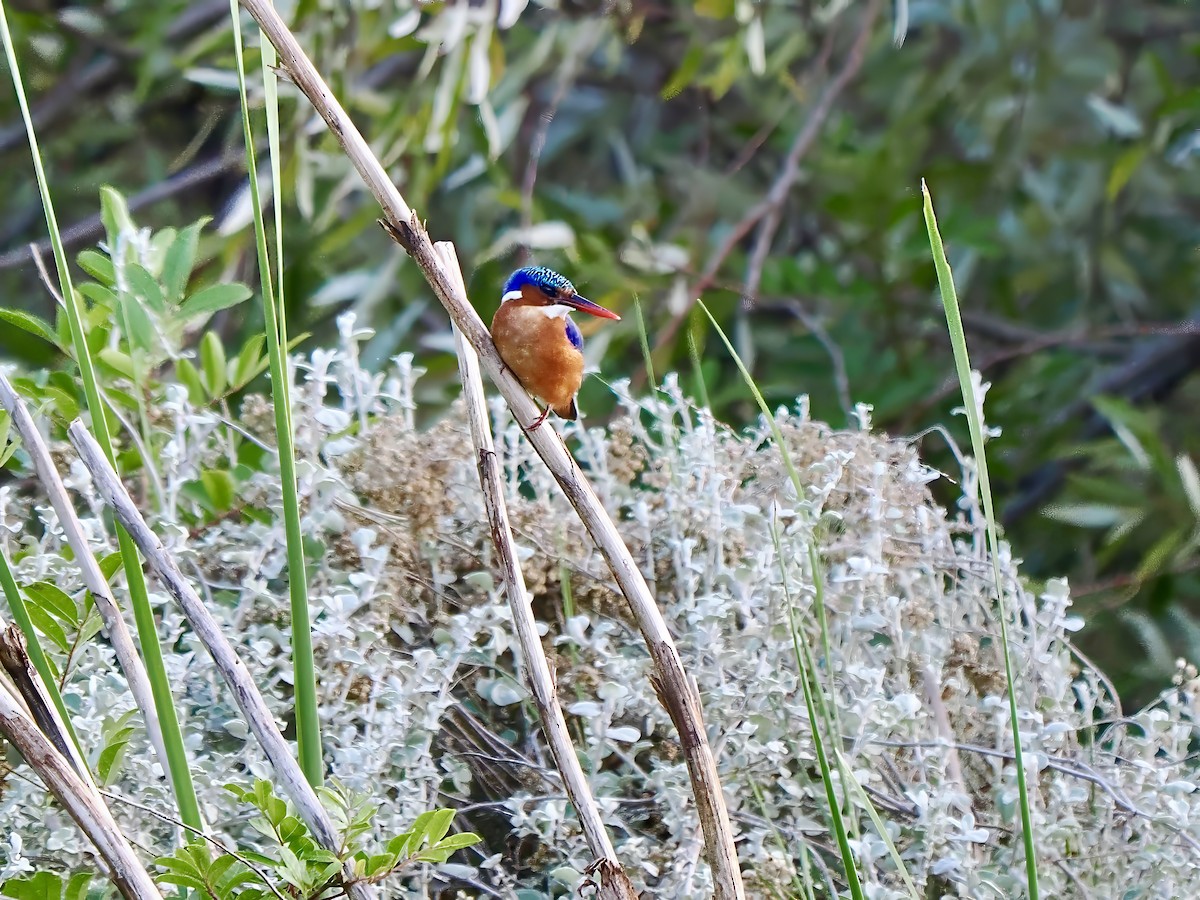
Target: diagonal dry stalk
[
  {"x": 676, "y": 690},
  {"x": 245, "y": 692},
  {"x": 14, "y": 659},
  {"x": 114, "y": 624},
  {"x": 77, "y": 796},
  {"x": 615, "y": 883}
]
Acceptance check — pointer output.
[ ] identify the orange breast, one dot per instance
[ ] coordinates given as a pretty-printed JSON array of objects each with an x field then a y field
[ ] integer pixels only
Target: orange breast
[{"x": 535, "y": 347}]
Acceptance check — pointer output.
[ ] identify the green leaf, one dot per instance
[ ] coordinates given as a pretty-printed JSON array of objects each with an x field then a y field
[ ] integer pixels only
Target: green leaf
[
  {"x": 380, "y": 863},
  {"x": 219, "y": 486},
  {"x": 114, "y": 213},
  {"x": 213, "y": 299},
  {"x": 48, "y": 627},
  {"x": 113, "y": 754},
  {"x": 54, "y": 600},
  {"x": 434, "y": 855},
  {"x": 77, "y": 887},
  {"x": 432, "y": 826},
  {"x": 458, "y": 841},
  {"x": 119, "y": 362},
  {"x": 116, "y": 735},
  {"x": 212, "y": 357},
  {"x": 238, "y": 876},
  {"x": 138, "y": 323},
  {"x": 7, "y": 447},
  {"x": 144, "y": 286},
  {"x": 1123, "y": 169},
  {"x": 98, "y": 294},
  {"x": 90, "y": 627},
  {"x": 189, "y": 376},
  {"x": 110, "y": 565},
  {"x": 35, "y": 325},
  {"x": 98, "y": 266},
  {"x": 686, "y": 72},
  {"x": 400, "y": 843},
  {"x": 181, "y": 259},
  {"x": 64, "y": 404},
  {"x": 188, "y": 881},
  {"x": 39, "y": 886},
  {"x": 250, "y": 360}
]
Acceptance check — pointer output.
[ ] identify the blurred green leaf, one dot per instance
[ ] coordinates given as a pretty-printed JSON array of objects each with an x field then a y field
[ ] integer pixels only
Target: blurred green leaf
[{"x": 213, "y": 298}]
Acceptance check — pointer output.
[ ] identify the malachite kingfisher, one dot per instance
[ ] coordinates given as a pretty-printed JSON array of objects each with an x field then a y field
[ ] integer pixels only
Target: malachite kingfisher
[{"x": 538, "y": 341}]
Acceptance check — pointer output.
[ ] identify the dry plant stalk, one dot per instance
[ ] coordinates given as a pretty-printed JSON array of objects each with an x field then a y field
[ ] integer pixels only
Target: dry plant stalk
[
  {"x": 78, "y": 797},
  {"x": 229, "y": 664},
  {"x": 114, "y": 624},
  {"x": 14, "y": 659},
  {"x": 615, "y": 883},
  {"x": 674, "y": 686}
]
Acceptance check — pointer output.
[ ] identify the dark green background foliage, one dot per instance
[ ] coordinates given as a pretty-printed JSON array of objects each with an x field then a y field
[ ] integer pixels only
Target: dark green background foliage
[{"x": 629, "y": 144}]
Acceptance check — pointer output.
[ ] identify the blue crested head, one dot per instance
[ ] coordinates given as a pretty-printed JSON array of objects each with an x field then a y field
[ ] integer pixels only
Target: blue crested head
[{"x": 545, "y": 280}]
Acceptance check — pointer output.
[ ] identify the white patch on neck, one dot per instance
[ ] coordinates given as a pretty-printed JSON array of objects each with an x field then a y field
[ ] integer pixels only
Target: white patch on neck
[
  {"x": 557, "y": 311},
  {"x": 511, "y": 295}
]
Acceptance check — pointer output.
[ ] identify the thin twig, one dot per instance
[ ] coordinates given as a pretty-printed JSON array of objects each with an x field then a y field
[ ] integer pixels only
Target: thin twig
[
  {"x": 676, "y": 689},
  {"x": 768, "y": 210},
  {"x": 92, "y": 227},
  {"x": 615, "y": 882},
  {"x": 804, "y": 141},
  {"x": 1069, "y": 767},
  {"x": 179, "y": 823},
  {"x": 114, "y": 623},
  {"x": 245, "y": 692}
]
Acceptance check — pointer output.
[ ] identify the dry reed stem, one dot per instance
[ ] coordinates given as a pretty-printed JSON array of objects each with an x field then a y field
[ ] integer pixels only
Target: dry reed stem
[
  {"x": 77, "y": 797},
  {"x": 229, "y": 664},
  {"x": 674, "y": 687},
  {"x": 615, "y": 883},
  {"x": 14, "y": 658}
]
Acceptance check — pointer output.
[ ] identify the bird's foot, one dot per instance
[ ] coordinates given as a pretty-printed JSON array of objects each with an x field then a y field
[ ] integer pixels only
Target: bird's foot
[{"x": 537, "y": 423}]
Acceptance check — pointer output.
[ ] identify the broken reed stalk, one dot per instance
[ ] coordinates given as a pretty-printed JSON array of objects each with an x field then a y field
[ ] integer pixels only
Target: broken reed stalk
[
  {"x": 229, "y": 664},
  {"x": 79, "y": 798},
  {"x": 675, "y": 689},
  {"x": 114, "y": 623},
  {"x": 614, "y": 881},
  {"x": 14, "y": 659}
]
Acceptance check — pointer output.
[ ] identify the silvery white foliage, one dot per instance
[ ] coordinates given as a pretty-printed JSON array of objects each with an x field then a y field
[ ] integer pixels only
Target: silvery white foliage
[{"x": 420, "y": 685}]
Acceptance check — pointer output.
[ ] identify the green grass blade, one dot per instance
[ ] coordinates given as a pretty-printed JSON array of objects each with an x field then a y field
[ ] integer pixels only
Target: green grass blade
[
  {"x": 820, "y": 711},
  {"x": 694, "y": 325},
  {"x": 807, "y": 676},
  {"x": 810, "y": 686},
  {"x": 164, "y": 703},
  {"x": 308, "y": 724},
  {"x": 644, "y": 338},
  {"x": 865, "y": 802},
  {"x": 962, "y": 364}
]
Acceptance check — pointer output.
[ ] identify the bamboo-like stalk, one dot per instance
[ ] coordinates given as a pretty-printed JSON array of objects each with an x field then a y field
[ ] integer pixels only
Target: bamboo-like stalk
[
  {"x": 114, "y": 623},
  {"x": 674, "y": 687},
  {"x": 77, "y": 797},
  {"x": 615, "y": 882},
  {"x": 304, "y": 674},
  {"x": 229, "y": 664}
]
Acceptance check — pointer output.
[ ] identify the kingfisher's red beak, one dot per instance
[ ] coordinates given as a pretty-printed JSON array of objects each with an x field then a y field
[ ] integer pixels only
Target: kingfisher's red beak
[{"x": 587, "y": 306}]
